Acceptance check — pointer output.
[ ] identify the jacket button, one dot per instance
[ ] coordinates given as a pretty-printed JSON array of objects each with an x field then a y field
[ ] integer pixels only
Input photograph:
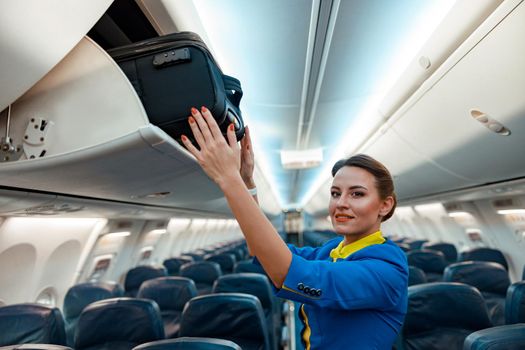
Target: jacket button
[
  {"x": 300, "y": 286},
  {"x": 319, "y": 292},
  {"x": 307, "y": 290}
]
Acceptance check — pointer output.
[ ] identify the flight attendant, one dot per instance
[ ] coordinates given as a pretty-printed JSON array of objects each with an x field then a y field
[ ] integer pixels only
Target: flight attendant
[{"x": 353, "y": 288}]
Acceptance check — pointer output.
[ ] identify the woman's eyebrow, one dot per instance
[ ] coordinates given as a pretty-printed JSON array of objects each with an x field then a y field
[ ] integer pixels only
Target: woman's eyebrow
[{"x": 357, "y": 186}]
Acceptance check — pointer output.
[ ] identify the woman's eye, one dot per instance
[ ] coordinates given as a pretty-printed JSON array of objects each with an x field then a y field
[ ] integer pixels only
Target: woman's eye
[
  {"x": 357, "y": 194},
  {"x": 335, "y": 194}
]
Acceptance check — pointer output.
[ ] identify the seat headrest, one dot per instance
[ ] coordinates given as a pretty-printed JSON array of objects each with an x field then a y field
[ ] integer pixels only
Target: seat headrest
[
  {"x": 139, "y": 274},
  {"x": 415, "y": 244},
  {"x": 485, "y": 276},
  {"x": 226, "y": 316},
  {"x": 226, "y": 261},
  {"x": 31, "y": 323},
  {"x": 515, "y": 303},
  {"x": 190, "y": 343},
  {"x": 448, "y": 249},
  {"x": 416, "y": 276},
  {"x": 170, "y": 293},
  {"x": 81, "y": 295},
  {"x": 195, "y": 256},
  {"x": 35, "y": 347},
  {"x": 119, "y": 319},
  {"x": 248, "y": 283},
  {"x": 509, "y": 337},
  {"x": 484, "y": 254},
  {"x": 201, "y": 271},
  {"x": 173, "y": 264},
  {"x": 441, "y": 304},
  {"x": 427, "y": 260},
  {"x": 247, "y": 266}
]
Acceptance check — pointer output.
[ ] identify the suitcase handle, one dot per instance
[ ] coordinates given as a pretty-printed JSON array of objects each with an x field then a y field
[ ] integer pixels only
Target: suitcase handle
[
  {"x": 233, "y": 89},
  {"x": 171, "y": 57}
]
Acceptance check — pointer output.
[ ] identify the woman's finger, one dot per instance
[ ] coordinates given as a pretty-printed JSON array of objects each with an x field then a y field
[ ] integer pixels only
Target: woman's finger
[
  {"x": 248, "y": 138},
  {"x": 203, "y": 126},
  {"x": 232, "y": 139},
  {"x": 196, "y": 132},
  {"x": 214, "y": 128},
  {"x": 190, "y": 147}
]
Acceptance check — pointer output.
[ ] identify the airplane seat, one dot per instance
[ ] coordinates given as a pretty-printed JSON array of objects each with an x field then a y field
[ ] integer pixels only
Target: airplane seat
[
  {"x": 230, "y": 316},
  {"x": 509, "y": 337},
  {"x": 247, "y": 266},
  {"x": 259, "y": 286},
  {"x": 490, "y": 278},
  {"x": 203, "y": 273},
  {"x": 416, "y": 244},
  {"x": 80, "y": 296},
  {"x": 416, "y": 276},
  {"x": 139, "y": 274},
  {"x": 226, "y": 261},
  {"x": 441, "y": 315},
  {"x": 173, "y": 265},
  {"x": 484, "y": 254},
  {"x": 404, "y": 247},
  {"x": 195, "y": 256},
  {"x": 34, "y": 347},
  {"x": 448, "y": 249},
  {"x": 118, "y": 324},
  {"x": 515, "y": 303},
  {"x": 430, "y": 261},
  {"x": 31, "y": 323},
  {"x": 190, "y": 343},
  {"x": 170, "y": 294}
]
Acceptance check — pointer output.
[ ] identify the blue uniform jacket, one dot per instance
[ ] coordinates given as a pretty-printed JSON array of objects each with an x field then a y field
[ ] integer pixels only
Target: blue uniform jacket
[{"x": 356, "y": 303}]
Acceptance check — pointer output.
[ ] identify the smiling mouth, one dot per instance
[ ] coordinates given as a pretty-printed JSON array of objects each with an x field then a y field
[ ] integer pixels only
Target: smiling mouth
[{"x": 343, "y": 217}]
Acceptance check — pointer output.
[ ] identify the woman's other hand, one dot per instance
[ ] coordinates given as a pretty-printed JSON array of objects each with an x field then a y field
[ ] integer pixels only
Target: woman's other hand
[
  {"x": 247, "y": 159},
  {"x": 219, "y": 159}
]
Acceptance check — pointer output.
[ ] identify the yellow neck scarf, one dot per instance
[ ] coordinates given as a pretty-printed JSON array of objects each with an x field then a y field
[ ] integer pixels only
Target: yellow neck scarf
[{"x": 343, "y": 251}]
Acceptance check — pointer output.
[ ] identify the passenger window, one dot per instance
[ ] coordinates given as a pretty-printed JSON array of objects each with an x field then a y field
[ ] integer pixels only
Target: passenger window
[{"x": 47, "y": 297}]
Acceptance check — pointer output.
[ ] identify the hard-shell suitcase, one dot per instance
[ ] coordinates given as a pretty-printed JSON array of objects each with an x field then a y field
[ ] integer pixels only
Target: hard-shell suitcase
[{"x": 175, "y": 72}]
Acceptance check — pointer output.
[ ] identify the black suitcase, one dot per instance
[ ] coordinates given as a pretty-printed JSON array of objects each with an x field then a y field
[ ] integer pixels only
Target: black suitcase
[{"x": 175, "y": 72}]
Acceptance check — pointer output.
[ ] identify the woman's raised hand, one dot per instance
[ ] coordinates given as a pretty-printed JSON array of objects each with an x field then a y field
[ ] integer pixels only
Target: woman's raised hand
[{"x": 219, "y": 159}]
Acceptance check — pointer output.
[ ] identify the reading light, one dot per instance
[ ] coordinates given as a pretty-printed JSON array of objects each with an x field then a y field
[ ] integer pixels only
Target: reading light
[
  {"x": 511, "y": 211},
  {"x": 117, "y": 234},
  {"x": 301, "y": 159},
  {"x": 457, "y": 214},
  {"x": 159, "y": 231}
]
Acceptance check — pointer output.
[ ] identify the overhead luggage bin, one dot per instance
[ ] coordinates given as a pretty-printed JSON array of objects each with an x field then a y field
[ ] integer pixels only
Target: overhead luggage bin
[
  {"x": 83, "y": 131},
  {"x": 36, "y": 35}
]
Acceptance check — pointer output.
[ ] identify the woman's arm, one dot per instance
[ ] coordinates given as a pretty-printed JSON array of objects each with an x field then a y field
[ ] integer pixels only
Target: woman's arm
[
  {"x": 247, "y": 168},
  {"x": 221, "y": 162}
]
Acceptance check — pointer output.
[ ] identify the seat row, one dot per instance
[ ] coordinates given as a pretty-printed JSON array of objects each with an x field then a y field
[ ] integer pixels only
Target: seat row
[
  {"x": 491, "y": 279},
  {"x": 124, "y": 323},
  {"x": 446, "y": 315}
]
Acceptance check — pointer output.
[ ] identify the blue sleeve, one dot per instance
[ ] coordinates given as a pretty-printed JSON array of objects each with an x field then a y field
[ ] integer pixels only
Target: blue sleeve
[
  {"x": 308, "y": 253},
  {"x": 349, "y": 285}
]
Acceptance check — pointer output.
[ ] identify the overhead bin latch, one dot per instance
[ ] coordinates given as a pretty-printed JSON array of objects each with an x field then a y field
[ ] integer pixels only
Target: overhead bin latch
[
  {"x": 36, "y": 137},
  {"x": 8, "y": 151}
]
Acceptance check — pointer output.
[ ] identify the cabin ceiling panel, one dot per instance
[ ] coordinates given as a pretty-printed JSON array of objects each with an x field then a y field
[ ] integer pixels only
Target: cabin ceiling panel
[{"x": 490, "y": 78}]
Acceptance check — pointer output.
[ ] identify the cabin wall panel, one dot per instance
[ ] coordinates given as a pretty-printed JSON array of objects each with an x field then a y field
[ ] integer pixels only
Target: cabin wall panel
[
  {"x": 56, "y": 247},
  {"x": 504, "y": 237}
]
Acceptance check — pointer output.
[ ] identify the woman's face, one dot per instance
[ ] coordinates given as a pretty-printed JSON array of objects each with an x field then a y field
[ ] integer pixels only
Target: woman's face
[{"x": 355, "y": 206}]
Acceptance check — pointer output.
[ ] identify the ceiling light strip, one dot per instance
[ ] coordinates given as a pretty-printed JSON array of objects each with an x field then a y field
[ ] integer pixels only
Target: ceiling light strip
[
  {"x": 322, "y": 67},
  {"x": 316, "y": 7}
]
